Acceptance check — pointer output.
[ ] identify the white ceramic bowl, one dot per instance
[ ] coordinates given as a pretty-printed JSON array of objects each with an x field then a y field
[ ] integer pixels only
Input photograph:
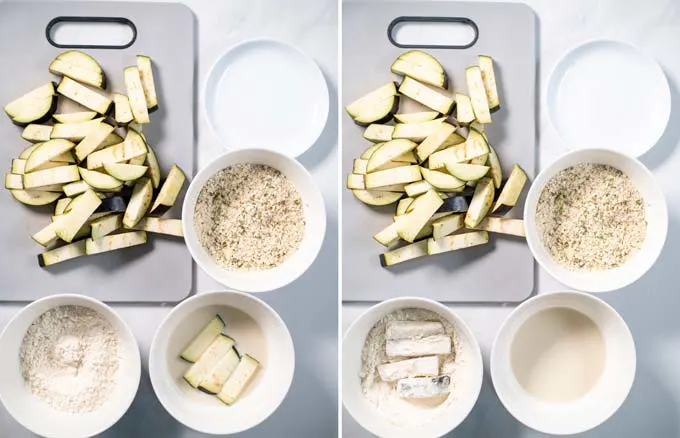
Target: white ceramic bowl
[
  {"x": 596, "y": 406},
  {"x": 257, "y": 329},
  {"x": 38, "y": 416},
  {"x": 468, "y": 376},
  {"x": 655, "y": 210},
  {"x": 297, "y": 263},
  {"x": 240, "y": 96}
]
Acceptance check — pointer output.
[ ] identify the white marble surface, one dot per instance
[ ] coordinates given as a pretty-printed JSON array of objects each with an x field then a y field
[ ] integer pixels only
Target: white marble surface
[
  {"x": 649, "y": 306},
  {"x": 308, "y": 306}
]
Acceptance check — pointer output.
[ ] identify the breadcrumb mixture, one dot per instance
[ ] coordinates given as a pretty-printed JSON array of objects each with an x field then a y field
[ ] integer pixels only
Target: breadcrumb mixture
[
  {"x": 591, "y": 217},
  {"x": 249, "y": 217}
]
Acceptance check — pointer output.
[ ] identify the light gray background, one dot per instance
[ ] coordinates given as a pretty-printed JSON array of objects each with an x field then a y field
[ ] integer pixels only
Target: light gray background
[
  {"x": 309, "y": 305},
  {"x": 650, "y": 306}
]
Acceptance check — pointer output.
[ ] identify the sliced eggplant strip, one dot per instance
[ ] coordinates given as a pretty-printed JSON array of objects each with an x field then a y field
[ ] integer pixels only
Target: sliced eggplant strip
[
  {"x": 467, "y": 172},
  {"x": 421, "y": 66},
  {"x": 82, "y": 116},
  {"x": 154, "y": 168},
  {"x": 377, "y": 133},
  {"x": 496, "y": 169},
  {"x": 475, "y": 145},
  {"x": 453, "y": 140},
  {"x": 68, "y": 225},
  {"x": 403, "y": 254},
  {"x": 35, "y": 197},
  {"x": 447, "y": 225},
  {"x": 146, "y": 75},
  {"x": 135, "y": 92},
  {"x": 220, "y": 373},
  {"x": 28, "y": 151},
  {"x": 203, "y": 339},
  {"x": 47, "y": 235},
  {"x": 57, "y": 175},
  {"x": 122, "y": 111},
  {"x": 110, "y": 140},
  {"x": 36, "y": 133},
  {"x": 75, "y": 131},
  {"x": 377, "y": 198},
  {"x": 84, "y": 96},
  {"x": 18, "y": 166},
  {"x": 378, "y": 106},
  {"x": 387, "y": 152},
  {"x": 100, "y": 181},
  {"x": 464, "y": 112},
  {"x": 388, "y": 236},
  {"x": 489, "y": 78},
  {"x": 47, "y": 152},
  {"x": 398, "y": 175},
  {"x": 456, "y": 242},
  {"x": 359, "y": 167},
  {"x": 511, "y": 191},
  {"x": 169, "y": 190},
  {"x": 139, "y": 202},
  {"x": 419, "y": 117},
  {"x": 418, "y": 188},
  {"x": 481, "y": 203},
  {"x": 132, "y": 147},
  {"x": 440, "y": 180},
  {"x": 36, "y": 106},
  {"x": 501, "y": 225},
  {"x": 62, "y": 254},
  {"x": 158, "y": 225},
  {"x": 403, "y": 205},
  {"x": 239, "y": 379},
  {"x": 66, "y": 157},
  {"x": 409, "y": 158},
  {"x": 434, "y": 140},
  {"x": 106, "y": 225},
  {"x": 76, "y": 188},
  {"x": 61, "y": 206},
  {"x": 115, "y": 242},
  {"x": 355, "y": 182},
  {"x": 413, "y": 222},
  {"x": 369, "y": 151},
  {"x": 200, "y": 370},
  {"x": 426, "y": 96},
  {"x": 93, "y": 141},
  {"x": 14, "y": 182},
  {"x": 480, "y": 103},
  {"x": 125, "y": 172},
  {"x": 80, "y": 67},
  {"x": 416, "y": 131}
]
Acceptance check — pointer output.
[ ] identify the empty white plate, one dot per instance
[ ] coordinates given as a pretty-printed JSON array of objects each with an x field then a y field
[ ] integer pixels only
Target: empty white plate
[
  {"x": 266, "y": 94},
  {"x": 607, "y": 94}
]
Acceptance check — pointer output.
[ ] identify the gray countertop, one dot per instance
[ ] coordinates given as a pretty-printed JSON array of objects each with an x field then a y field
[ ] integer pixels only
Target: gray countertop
[
  {"x": 650, "y": 305},
  {"x": 309, "y": 305}
]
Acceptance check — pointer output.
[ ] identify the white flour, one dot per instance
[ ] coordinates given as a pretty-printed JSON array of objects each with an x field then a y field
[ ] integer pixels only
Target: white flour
[
  {"x": 69, "y": 358},
  {"x": 383, "y": 395}
]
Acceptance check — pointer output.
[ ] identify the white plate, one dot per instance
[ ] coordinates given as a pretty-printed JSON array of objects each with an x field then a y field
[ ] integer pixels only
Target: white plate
[
  {"x": 607, "y": 94},
  {"x": 269, "y": 95}
]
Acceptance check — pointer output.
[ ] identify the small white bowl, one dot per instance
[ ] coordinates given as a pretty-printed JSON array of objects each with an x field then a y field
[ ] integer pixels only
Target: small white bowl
[
  {"x": 257, "y": 329},
  {"x": 314, "y": 214},
  {"x": 36, "y": 415},
  {"x": 656, "y": 214},
  {"x": 597, "y": 405},
  {"x": 468, "y": 376}
]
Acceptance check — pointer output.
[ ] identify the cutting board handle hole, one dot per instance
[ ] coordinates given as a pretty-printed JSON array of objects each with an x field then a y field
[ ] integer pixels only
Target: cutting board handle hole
[
  {"x": 433, "y": 32},
  {"x": 91, "y": 32}
]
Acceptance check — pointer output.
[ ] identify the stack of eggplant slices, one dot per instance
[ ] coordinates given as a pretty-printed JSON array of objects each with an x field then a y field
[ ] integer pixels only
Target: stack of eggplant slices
[
  {"x": 95, "y": 164},
  {"x": 436, "y": 165}
]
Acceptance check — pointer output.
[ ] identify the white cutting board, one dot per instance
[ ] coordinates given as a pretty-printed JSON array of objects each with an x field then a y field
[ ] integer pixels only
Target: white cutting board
[
  {"x": 503, "y": 270},
  {"x": 159, "y": 271}
]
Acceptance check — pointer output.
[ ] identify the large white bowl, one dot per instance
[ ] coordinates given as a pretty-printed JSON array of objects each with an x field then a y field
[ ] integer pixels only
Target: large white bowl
[
  {"x": 38, "y": 416},
  {"x": 468, "y": 377},
  {"x": 314, "y": 214},
  {"x": 656, "y": 214},
  {"x": 244, "y": 316},
  {"x": 601, "y": 402}
]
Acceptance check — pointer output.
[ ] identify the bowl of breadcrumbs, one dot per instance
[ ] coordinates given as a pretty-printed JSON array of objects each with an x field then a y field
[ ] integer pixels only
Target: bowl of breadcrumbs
[
  {"x": 254, "y": 220},
  {"x": 596, "y": 220}
]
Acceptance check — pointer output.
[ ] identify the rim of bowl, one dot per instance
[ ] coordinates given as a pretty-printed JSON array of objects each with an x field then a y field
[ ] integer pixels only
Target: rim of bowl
[
  {"x": 558, "y": 64},
  {"x": 233, "y": 48},
  {"x": 154, "y": 356},
  {"x": 530, "y": 302},
  {"x": 452, "y": 317},
  {"x": 317, "y": 241},
  {"x": 126, "y": 331},
  {"x": 539, "y": 183}
]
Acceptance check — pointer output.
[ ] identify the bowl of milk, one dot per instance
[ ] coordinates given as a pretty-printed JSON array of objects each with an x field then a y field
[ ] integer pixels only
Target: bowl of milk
[{"x": 563, "y": 363}]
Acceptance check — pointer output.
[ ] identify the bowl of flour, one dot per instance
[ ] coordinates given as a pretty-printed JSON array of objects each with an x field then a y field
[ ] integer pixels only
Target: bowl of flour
[
  {"x": 73, "y": 367},
  {"x": 411, "y": 367}
]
